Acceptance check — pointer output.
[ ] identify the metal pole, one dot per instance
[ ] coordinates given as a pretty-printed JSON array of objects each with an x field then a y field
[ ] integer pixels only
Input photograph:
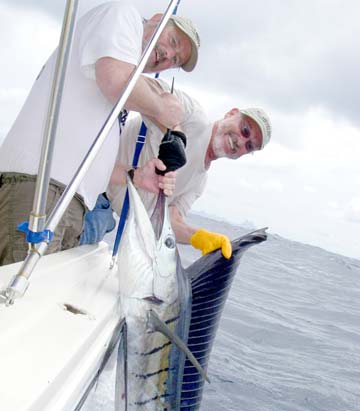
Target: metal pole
[
  {"x": 37, "y": 218},
  {"x": 20, "y": 282}
]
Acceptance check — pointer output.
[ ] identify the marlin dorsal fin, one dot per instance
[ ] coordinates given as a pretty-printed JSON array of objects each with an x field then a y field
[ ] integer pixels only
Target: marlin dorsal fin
[{"x": 159, "y": 325}]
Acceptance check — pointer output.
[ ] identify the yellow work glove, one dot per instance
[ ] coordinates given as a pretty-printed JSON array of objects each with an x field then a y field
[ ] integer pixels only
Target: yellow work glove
[{"x": 207, "y": 241}]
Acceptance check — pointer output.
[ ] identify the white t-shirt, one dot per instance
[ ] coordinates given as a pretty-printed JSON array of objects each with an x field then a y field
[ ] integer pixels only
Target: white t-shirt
[
  {"x": 191, "y": 178},
  {"x": 114, "y": 30}
]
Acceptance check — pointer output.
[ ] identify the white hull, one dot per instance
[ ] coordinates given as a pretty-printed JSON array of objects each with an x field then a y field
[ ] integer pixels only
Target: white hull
[{"x": 49, "y": 355}]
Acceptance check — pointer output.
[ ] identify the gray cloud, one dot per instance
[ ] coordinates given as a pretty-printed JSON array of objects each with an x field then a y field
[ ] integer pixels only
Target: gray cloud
[
  {"x": 54, "y": 7},
  {"x": 285, "y": 54},
  {"x": 289, "y": 55}
]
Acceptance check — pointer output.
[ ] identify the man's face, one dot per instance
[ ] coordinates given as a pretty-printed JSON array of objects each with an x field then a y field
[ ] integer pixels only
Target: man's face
[
  {"x": 173, "y": 49},
  {"x": 234, "y": 136}
]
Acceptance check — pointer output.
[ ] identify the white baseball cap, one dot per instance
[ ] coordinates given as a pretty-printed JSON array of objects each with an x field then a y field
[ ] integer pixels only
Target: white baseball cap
[{"x": 262, "y": 120}]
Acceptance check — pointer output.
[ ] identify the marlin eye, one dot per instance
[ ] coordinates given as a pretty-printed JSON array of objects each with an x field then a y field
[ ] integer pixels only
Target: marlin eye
[{"x": 170, "y": 242}]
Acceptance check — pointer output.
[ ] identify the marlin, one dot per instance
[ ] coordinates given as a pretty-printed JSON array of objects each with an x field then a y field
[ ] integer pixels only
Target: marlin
[{"x": 171, "y": 314}]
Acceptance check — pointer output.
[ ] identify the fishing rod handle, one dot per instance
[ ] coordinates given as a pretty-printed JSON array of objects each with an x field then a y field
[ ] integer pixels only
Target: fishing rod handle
[{"x": 172, "y": 151}]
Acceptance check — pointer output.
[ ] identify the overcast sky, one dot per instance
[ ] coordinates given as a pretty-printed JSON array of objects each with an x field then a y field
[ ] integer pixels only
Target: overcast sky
[{"x": 298, "y": 59}]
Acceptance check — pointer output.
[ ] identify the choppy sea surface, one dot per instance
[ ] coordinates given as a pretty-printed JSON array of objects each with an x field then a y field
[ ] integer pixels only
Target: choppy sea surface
[{"x": 289, "y": 339}]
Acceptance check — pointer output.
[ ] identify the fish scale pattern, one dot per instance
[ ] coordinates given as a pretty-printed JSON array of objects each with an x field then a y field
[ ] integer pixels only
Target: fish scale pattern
[{"x": 210, "y": 288}]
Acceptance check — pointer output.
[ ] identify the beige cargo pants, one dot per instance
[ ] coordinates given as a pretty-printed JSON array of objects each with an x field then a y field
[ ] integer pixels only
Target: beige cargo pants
[{"x": 16, "y": 200}]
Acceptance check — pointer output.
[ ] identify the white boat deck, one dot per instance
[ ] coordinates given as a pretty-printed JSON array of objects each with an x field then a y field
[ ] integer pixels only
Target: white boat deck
[{"x": 48, "y": 353}]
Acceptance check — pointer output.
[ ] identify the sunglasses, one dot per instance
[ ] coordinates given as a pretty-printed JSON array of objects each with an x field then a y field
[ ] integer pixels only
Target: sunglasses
[{"x": 246, "y": 133}]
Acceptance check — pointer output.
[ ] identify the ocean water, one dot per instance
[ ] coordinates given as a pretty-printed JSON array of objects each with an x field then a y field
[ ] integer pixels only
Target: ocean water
[{"x": 289, "y": 339}]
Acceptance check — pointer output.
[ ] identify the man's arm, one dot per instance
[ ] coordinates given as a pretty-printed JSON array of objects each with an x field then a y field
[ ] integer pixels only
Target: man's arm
[
  {"x": 111, "y": 77},
  {"x": 183, "y": 232},
  {"x": 203, "y": 240}
]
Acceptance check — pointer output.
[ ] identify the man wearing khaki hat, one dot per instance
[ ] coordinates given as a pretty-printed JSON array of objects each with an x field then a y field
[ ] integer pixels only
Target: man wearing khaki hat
[
  {"x": 164, "y": 54},
  {"x": 108, "y": 43}
]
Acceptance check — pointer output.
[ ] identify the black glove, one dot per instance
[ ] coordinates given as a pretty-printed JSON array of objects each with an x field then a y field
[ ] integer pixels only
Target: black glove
[{"x": 172, "y": 151}]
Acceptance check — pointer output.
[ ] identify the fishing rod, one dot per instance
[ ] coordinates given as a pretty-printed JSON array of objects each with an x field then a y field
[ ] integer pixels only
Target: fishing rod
[
  {"x": 20, "y": 282},
  {"x": 171, "y": 92}
]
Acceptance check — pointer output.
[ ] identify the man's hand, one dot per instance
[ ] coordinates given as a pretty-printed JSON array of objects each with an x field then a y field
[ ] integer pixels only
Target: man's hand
[
  {"x": 207, "y": 241},
  {"x": 170, "y": 113},
  {"x": 147, "y": 179}
]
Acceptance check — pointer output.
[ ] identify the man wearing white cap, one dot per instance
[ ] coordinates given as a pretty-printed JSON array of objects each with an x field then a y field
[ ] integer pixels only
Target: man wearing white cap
[
  {"x": 240, "y": 132},
  {"x": 108, "y": 43}
]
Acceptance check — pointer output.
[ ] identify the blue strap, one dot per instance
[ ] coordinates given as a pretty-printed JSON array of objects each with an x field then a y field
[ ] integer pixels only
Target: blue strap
[
  {"x": 120, "y": 230},
  {"x": 125, "y": 208},
  {"x": 34, "y": 237},
  {"x": 139, "y": 144}
]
